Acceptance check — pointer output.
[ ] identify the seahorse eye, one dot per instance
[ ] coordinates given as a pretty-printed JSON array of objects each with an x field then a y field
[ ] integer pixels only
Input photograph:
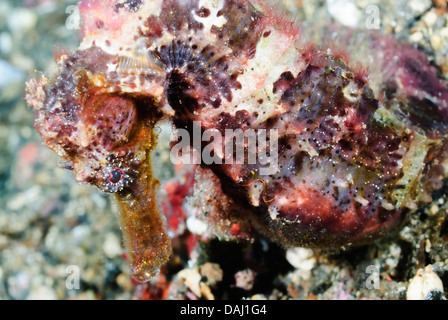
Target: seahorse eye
[
  {"x": 112, "y": 179},
  {"x": 115, "y": 176}
]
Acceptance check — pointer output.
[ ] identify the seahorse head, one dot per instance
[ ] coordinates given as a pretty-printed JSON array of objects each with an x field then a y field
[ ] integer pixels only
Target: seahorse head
[
  {"x": 101, "y": 132},
  {"x": 99, "y": 113},
  {"x": 99, "y": 117}
]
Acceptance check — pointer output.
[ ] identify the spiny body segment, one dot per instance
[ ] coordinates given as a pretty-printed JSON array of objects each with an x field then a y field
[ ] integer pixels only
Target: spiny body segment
[{"x": 349, "y": 167}]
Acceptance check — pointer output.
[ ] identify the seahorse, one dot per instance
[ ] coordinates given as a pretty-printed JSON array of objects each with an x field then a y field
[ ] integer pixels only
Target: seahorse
[{"x": 355, "y": 151}]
